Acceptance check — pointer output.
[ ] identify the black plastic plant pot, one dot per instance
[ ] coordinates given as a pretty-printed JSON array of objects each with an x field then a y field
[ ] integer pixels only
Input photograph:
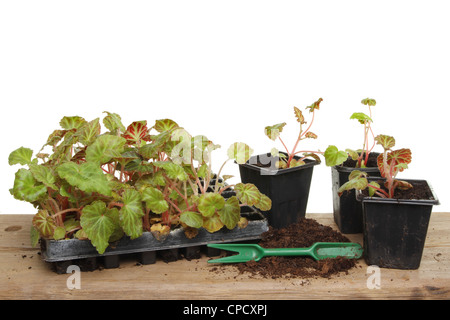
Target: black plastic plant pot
[
  {"x": 395, "y": 230},
  {"x": 287, "y": 188},
  {"x": 347, "y": 212}
]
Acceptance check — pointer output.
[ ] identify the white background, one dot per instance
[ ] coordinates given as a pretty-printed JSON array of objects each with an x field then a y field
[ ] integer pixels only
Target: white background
[{"x": 227, "y": 69}]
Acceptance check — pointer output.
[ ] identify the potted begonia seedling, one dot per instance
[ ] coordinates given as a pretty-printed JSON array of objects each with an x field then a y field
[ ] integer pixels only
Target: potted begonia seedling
[
  {"x": 396, "y": 212},
  {"x": 285, "y": 177},
  {"x": 347, "y": 211}
]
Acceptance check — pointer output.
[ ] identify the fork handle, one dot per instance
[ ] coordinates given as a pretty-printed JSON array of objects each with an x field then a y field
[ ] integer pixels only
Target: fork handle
[{"x": 288, "y": 252}]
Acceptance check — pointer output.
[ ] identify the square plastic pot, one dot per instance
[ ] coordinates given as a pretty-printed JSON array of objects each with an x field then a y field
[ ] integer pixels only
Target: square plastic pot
[
  {"x": 347, "y": 212},
  {"x": 394, "y": 231},
  {"x": 287, "y": 188}
]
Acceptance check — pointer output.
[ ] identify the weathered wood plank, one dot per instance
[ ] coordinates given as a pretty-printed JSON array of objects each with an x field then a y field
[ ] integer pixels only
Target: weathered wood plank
[{"x": 23, "y": 275}]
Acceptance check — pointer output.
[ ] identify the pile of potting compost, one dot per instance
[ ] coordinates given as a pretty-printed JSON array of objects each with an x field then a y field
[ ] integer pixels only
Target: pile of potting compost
[{"x": 302, "y": 234}]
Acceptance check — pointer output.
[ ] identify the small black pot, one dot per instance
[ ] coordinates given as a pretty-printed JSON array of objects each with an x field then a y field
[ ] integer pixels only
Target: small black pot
[
  {"x": 287, "y": 188},
  {"x": 347, "y": 212},
  {"x": 395, "y": 230}
]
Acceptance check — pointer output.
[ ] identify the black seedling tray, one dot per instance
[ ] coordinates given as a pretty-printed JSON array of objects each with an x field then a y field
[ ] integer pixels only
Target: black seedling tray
[{"x": 146, "y": 248}]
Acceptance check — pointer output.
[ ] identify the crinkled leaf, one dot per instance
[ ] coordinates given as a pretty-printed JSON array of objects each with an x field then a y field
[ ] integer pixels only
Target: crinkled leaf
[
  {"x": 113, "y": 122},
  {"x": 299, "y": 115},
  {"x": 296, "y": 163},
  {"x": 59, "y": 233},
  {"x": 70, "y": 123},
  {"x": 105, "y": 148},
  {"x": 361, "y": 117},
  {"x": 44, "y": 223},
  {"x": 154, "y": 200},
  {"x": 87, "y": 176},
  {"x": 264, "y": 204},
  {"x": 21, "y": 156},
  {"x": 55, "y": 137},
  {"x": 240, "y": 152},
  {"x": 136, "y": 132},
  {"x": 311, "y": 135},
  {"x": 173, "y": 170},
  {"x": 99, "y": 223},
  {"x": 247, "y": 193},
  {"x": 367, "y": 101},
  {"x": 131, "y": 213},
  {"x": 273, "y": 132},
  {"x": 192, "y": 219},
  {"x": 372, "y": 190},
  {"x": 359, "y": 182},
  {"x": 44, "y": 174},
  {"x": 26, "y": 187},
  {"x": 315, "y": 105},
  {"x": 387, "y": 142},
  {"x": 165, "y": 125},
  {"x": 230, "y": 213},
  {"x": 334, "y": 157},
  {"x": 212, "y": 224},
  {"x": 89, "y": 132},
  {"x": 208, "y": 203},
  {"x": 352, "y": 153}
]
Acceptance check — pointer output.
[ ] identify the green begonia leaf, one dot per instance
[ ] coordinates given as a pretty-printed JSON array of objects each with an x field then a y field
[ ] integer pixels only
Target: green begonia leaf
[
  {"x": 370, "y": 102},
  {"x": 87, "y": 176},
  {"x": 208, "y": 203},
  {"x": 44, "y": 174},
  {"x": 213, "y": 223},
  {"x": 131, "y": 213},
  {"x": 334, "y": 157},
  {"x": 26, "y": 187},
  {"x": 247, "y": 193},
  {"x": 165, "y": 125},
  {"x": 264, "y": 204},
  {"x": 59, "y": 233},
  {"x": 89, "y": 132},
  {"x": 99, "y": 223},
  {"x": 154, "y": 200},
  {"x": 192, "y": 219},
  {"x": 113, "y": 122},
  {"x": 70, "y": 123},
  {"x": 105, "y": 148},
  {"x": 21, "y": 155},
  {"x": 273, "y": 132},
  {"x": 173, "y": 170},
  {"x": 240, "y": 152},
  {"x": 44, "y": 223},
  {"x": 361, "y": 117},
  {"x": 230, "y": 213},
  {"x": 357, "y": 180},
  {"x": 387, "y": 142}
]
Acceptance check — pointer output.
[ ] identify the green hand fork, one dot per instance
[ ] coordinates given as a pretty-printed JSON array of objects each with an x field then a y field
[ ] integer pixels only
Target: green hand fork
[{"x": 319, "y": 250}]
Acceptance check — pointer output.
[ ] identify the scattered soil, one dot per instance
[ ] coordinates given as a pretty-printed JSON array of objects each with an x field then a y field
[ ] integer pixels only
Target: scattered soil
[
  {"x": 302, "y": 234},
  {"x": 372, "y": 162},
  {"x": 420, "y": 190}
]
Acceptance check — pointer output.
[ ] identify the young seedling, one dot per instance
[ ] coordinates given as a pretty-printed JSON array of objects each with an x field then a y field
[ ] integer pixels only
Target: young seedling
[
  {"x": 332, "y": 155},
  {"x": 362, "y": 156},
  {"x": 390, "y": 163}
]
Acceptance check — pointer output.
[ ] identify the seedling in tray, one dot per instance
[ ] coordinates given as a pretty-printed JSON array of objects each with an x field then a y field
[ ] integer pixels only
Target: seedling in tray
[{"x": 125, "y": 181}]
